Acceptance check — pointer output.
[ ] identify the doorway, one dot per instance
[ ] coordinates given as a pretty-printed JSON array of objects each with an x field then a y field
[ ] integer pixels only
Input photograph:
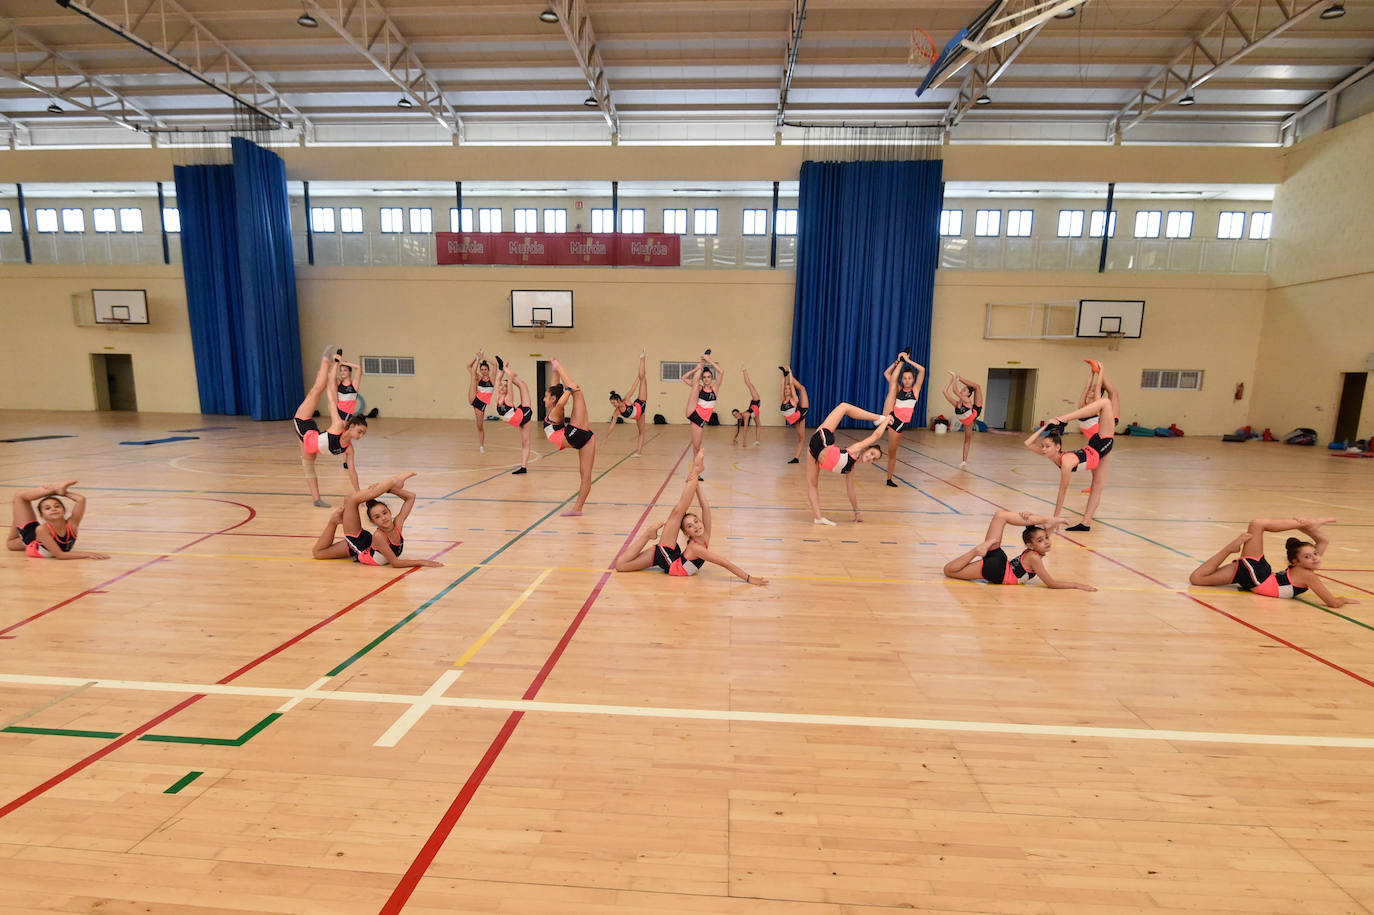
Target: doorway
[
  {"x": 543, "y": 371},
  {"x": 112, "y": 375},
  {"x": 1348, "y": 414},
  {"x": 1009, "y": 399}
]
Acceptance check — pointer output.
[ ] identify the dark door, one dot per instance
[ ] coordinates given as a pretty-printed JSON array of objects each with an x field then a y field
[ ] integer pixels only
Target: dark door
[
  {"x": 113, "y": 377},
  {"x": 1348, "y": 415},
  {"x": 542, "y": 373}
]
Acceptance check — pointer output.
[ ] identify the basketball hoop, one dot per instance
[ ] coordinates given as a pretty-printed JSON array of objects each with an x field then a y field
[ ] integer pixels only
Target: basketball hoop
[
  {"x": 539, "y": 324},
  {"x": 922, "y": 48},
  {"x": 1114, "y": 339}
]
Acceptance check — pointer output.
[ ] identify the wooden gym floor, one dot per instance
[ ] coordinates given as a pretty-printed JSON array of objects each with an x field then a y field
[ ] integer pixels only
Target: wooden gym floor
[{"x": 213, "y": 722}]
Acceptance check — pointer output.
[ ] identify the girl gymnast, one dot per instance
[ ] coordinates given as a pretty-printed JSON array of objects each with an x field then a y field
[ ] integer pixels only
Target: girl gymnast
[
  {"x": 665, "y": 554},
  {"x": 516, "y": 413},
  {"x": 572, "y": 431},
  {"x": 37, "y": 534},
  {"x": 988, "y": 561},
  {"x": 704, "y": 380},
  {"x": 825, "y": 454},
  {"x": 350, "y": 379},
  {"x": 340, "y": 434},
  {"x": 480, "y": 390},
  {"x": 1252, "y": 572},
  {"x": 382, "y": 548},
  {"x": 754, "y": 407},
  {"x": 794, "y": 406},
  {"x": 631, "y": 406},
  {"x": 743, "y": 419},
  {"x": 904, "y": 380},
  {"x": 967, "y": 399},
  {"x": 1094, "y": 455}
]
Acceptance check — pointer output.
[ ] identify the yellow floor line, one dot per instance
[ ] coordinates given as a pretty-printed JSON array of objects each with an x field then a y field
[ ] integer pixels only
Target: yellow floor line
[{"x": 501, "y": 620}]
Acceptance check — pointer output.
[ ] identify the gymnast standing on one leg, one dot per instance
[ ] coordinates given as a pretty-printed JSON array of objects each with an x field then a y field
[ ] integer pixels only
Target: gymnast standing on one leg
[
  {"x": 666, "y": 555},
  {"x": 570, "y": 431},
  {"x": 904, "y": 380},
  {"x": 514, "y": 412},
  {"x": 382, "y": 548},
  {"x": 1252, "y": 572},
  {"x": 480, "y": 390},
  {"x": 794, "y": 405},
  {"x": 988, "y": 561},
  {"x": 631, "y": 406},
  {"x": 705, "y": 381},
  {"x": 967, "y": 399},
  {"x": 37, "y": 534},
  {"x": 350, "y": 380},
  {"x": 1093, "y": 455},
  {"x": 1098, "y": 385},
  {"x": 340, "y": 434},
  {"x": 754, "y": 407},
  {"x": 824, "y": 454}
]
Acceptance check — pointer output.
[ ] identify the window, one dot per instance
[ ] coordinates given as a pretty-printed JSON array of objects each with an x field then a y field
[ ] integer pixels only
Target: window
[
  {"x": 321, "y": 219},
  {"x": 951, "y": 222},
  {"x": 755, "y": 222},
  {"x": 351, "y": 220},
  {"x": 421, "y": 220},
  {"x": 1019, "y": 223},
  {"x": 6, "y": 221},
  {"x": 460, "y": 222},
  {"x": 1231, "y": 224},
  {"x": 675, "y": 222},
  {"x": 1179, "y": 224},
  {"x": 785, "y": 222},
  {"x": 1147, "y": 223},
  {"x": 130, "y": 219},
  {"x": 673, "y": 371},
  {"x": 987, "y": 222},
  {"x": 603, "y": 220},
  {"x": 555, "y": 220},
  {"x": 45, "y": 220},
  {"x": 489, "y": 219},
  {"x": 526, "y": 219},
  {"x": 391, "y": 221},
  {"x": 1095, "y": 221},
  {"x": 1171, "y": 379},
  {"x": 1071, "y": 223},
  {"x": 73, "y": 219},
  {"x": 1261, "y": 225},
  {"x": 388, "y": 365},
  {"x": 632, "y": 221},
  {"x": 103, "y": 219},
  {"x": 705, "y": 222}
]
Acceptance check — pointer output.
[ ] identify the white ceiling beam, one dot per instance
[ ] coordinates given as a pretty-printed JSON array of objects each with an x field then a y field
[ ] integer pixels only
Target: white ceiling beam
[
  {"x": 1241, "y": 28},
  {"x": 789, "y": 56},
  {"x": 370, "y": 30},
  {"x": 1012, "y": 20},
  {"x": 182, "y": 42},
  {"x": 577, "y": 27},
  {"x": 1328, "y": 97},
  {"x": 987, "y": 68}
]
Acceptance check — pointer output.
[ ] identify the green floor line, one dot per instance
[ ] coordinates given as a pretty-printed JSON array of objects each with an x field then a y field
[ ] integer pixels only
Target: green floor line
[
  {"x": 1325, "y": 609},
  {"x": 154, "y": 738},
  {"x": 183, "y": 782},
  {"x": 62, "y": 732}
]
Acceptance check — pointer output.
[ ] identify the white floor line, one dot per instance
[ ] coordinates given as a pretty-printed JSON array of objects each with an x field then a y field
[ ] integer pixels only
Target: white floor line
[
  {"x": 434, "y": 698},
  {"x": 411, "y": 716},
  {"x": 47, "y": 705},
  {"x": 289, "y": 704}
]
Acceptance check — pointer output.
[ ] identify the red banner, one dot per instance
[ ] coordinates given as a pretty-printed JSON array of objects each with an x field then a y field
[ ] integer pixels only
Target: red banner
[{"x": 559, "y": 249}]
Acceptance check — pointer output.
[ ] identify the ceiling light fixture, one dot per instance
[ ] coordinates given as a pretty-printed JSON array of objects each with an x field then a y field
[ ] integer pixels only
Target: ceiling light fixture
[
  {"x": 983, "y": 99},
  {"x": 591, "y": 102},
  {"x": 1067, "y": 14},
  {"x": 307, "y": 21},
  {"x": 548, "y": 16},
  {"x": 54, "y": 108},
  {"x": 404, "y": 102},
  {"x": 1188, "y": 100},
  {"x": 1334, "y": 11}
]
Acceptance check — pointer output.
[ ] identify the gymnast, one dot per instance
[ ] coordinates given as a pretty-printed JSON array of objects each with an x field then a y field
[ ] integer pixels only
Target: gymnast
[
  {"x": 824, "y": 454},
  {"x": 382, "y": 547},
  {"x": 631, "y": 406},
  {"x": 1252, "y": 572},
  {"x": 340, "y": 434},
  {"x": 904, "y": 380},
  {"x": 988, "y": 561},
  {"x": 37, "y": 534}
]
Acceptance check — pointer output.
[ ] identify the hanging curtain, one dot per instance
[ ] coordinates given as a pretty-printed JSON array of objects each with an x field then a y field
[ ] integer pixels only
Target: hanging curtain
[
  {"x": 867, "y": 247},
  {"x": 241, "y": 284}
]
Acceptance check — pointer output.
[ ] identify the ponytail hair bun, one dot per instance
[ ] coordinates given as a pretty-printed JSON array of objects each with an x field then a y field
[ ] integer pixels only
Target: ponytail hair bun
[{"x": 1293, "y": 545}]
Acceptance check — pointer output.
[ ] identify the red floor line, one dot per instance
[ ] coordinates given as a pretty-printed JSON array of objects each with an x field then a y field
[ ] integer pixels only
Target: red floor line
[
  {"x": 1264, "y": 632},
  {"x": 1346, "y": 583},
  {"x": 411, "y": 878},
  {"x": 252, "y": 513},
  {"x": 118, "y": 742}
]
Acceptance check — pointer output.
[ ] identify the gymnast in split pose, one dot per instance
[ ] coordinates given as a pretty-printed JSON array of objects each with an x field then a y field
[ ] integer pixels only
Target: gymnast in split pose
[
  {"x": 630, "y": 407},
  {"x": 350, "y": 380},
  {"x": 49, "y": 533},
  {"x": 752, "y": 414},
  {"x": 514, "y": 411},
  {"x": 340, "y": 433},
  {"x": 904, "y": 380},
  {"x": 988, "y": 561},
  {"x": 1252, "y": 572},
  {"x": 664, "y": 553},
  {"x": 1095, "y": 455},
  {"x": 570, "y": 431},
  {"x": 382, "y": 547},
  {"x": 967, "y": 399},
  {"x": 480, "y": 390},
  {"x": 824, "y": 454},
  {"x": 794, "y": 406},
  {"x": 705, "y": 381}
]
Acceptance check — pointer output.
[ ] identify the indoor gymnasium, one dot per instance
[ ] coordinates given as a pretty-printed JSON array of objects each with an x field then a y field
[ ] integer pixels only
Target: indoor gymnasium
[{"x": 648, "y": 456}]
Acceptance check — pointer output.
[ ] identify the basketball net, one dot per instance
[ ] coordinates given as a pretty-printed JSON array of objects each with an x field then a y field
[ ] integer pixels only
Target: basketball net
[
  {"x": 1114, "y": 340},
  {"x": 922, "y": 51},
  {"x": 539, "y": 326}
]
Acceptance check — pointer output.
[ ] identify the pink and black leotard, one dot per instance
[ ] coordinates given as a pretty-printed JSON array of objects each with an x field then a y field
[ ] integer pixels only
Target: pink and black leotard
[
  {"x": 791, "y": 413},
  {"x": 903, "y": 409},
  {"x": 999, "y": 570},
  {"x": 1091, "y": 454},
  {"x": 1253, "y": 573},
  {"x": 828, "y": 454},
  {"x": 706, "y": 405},
  {"x": 484, "y": 392},
  {"x": 512, "y": 415},
  {"x": 566, "y": 435},
  {"x": 632, "y": 410},
  {"x": 34, "y": 547},
  {"x": 968, "y": 415},
  {"x": 309, "y": 434}
]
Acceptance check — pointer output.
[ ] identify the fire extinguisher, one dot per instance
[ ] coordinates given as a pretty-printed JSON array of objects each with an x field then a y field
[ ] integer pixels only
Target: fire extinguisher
[{"x": 1240, "y": 391}]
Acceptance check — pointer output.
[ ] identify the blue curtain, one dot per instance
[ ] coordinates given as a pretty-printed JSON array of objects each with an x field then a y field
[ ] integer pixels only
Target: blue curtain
[
  {"x": 241, "y": 284},
  {"x": 867, "y": 246}
]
